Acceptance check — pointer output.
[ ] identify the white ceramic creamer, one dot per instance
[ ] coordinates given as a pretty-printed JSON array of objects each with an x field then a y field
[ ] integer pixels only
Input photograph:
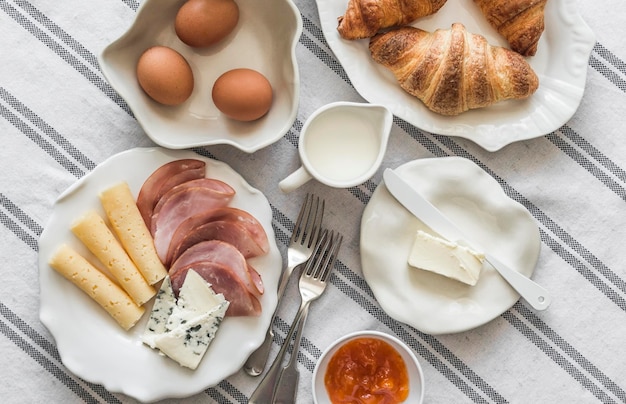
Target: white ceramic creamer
[{"x": 341, "y": 145}]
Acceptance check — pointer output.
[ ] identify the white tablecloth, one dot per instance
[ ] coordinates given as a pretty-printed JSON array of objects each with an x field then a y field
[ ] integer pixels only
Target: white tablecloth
[{"x": 59, "y": 119}]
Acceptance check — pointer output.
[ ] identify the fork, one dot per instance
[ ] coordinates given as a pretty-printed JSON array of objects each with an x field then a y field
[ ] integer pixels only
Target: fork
[
  {"x": 280, "y": 384},
  {"x": 312, "y": 284},
  {"x": 306, "y": 233}
]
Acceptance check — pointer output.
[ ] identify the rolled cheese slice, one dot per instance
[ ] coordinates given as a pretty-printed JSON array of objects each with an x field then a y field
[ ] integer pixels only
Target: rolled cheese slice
[
  {"x": 97, "y": 286},
  {"x": 121, "y": 209},
  {"x": 446, "y": 258},
  {"x": 98, "y": 238}
]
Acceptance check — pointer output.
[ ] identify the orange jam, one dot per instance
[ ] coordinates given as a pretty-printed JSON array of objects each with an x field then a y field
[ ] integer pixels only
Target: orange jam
[{"x": 367, "y": 371}]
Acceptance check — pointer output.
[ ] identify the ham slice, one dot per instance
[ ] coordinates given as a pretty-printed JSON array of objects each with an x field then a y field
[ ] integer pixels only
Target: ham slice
[
  {"x": 219, "y": 188},
  {"x": 163, "y": 179},
  {"x": 224, "y": 230},
  {"x": 190, "y": 230},
  {"x": 182, "y": 202},
  {"x": 224, "y": 254},
  {"x": 192, "y": 227},
  {"x": 224, "y": 281}
]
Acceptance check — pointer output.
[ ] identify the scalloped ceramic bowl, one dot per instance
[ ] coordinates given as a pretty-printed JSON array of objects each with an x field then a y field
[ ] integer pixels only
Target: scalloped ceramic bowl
[
  {"x": 264, "y": 39},
  {"x": 416, "y": 375}
]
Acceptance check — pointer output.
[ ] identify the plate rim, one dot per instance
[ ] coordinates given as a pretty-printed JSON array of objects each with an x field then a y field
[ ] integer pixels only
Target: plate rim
[
  {"x": 198, "y": 380},
  {"x": 395, "y": 310}
]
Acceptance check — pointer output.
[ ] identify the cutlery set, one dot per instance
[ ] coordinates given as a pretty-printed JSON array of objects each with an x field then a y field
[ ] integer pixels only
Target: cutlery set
[
  {"x": 305, "y": 235},
  {"x": 315, "y": 250}
]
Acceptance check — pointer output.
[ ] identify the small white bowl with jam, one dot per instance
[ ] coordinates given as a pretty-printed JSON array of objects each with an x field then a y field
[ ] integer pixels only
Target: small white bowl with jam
[{"x": 368, "y": 367}]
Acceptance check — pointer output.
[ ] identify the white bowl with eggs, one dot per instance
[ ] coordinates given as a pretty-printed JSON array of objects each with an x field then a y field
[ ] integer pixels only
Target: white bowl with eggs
[
  {"x": 263, "y": 40},
  {"x": 336, "y": 353}
]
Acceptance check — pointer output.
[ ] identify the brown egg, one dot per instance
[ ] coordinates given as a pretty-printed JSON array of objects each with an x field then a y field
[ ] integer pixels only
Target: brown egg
[
  {"x": 242, "y": 94},
  {"x": 165, "y": 75},
  {"x": 201, "y": 23}
]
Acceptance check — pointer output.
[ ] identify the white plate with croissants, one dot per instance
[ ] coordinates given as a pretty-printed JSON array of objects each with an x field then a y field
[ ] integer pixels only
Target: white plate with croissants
[{"x": 492, "y": 71}]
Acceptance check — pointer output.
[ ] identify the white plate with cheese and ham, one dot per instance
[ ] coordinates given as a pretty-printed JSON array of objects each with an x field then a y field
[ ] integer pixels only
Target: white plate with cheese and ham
[
  {"x": 475, "y": 202},
  {"x": 92, "y": 345}
]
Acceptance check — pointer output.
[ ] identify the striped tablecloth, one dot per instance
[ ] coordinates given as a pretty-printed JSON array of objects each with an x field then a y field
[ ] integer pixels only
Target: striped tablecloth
[{"x": 59, "y": 119}]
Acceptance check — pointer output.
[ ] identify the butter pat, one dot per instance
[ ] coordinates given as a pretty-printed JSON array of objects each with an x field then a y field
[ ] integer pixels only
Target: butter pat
[{"x": 446, "y": 258}]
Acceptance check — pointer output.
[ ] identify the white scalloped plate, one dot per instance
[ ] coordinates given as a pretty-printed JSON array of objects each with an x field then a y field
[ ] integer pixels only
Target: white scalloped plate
[
  {"x": 265, "y": 40},
  {"x": 91, "y": 343},
  {"x": 477, "y": 204},
  {"x": 560, "y": 62}
]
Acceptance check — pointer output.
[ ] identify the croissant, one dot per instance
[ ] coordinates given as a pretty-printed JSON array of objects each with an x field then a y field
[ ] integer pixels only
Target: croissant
[
  {"x": 452, "y": 71},
  {"x": 364, "y": 18},
  {"x": 520, "y": 22}
]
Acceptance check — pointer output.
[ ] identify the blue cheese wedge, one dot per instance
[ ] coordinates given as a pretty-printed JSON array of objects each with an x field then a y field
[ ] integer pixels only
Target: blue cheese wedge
[
  {"x": 183, "y": 328},
  {"x": 161, "y": 311},
  {"x": 446, "y": 258},
  {"x": 189, "y": 341},
  {"x": 195, "y": 297}
]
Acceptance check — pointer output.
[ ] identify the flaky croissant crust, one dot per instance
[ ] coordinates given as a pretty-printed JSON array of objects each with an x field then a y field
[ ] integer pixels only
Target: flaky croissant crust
[
  {"x": 452, "y": 71},
  {"x": 364, "y": 18},
  {"x": 520, "y": 22}
]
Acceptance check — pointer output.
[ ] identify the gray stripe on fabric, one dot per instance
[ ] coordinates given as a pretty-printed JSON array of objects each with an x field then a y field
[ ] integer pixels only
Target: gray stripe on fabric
[
  {"x": 58, "y": 32},
  {"x": 591, "y": 276},
  {"x": 50, "y": 349},
  {"x": 18, "y": 231},
  {"x": 558, "y": 358},
  {"x": 132, "y": 4},
  {"x": 45, "y": 363},
  {"x": 610, "y": 57},
  {"x": 608, "y": 73},
  {"x": 22, "y": 217},
  {"x": 292, "y": 136},
  {"x": 584, "y": 162},
  {"x": 325, "y": 57},
  {"x": 279, "y": 217},
  {"x": 233, "y": 392},
  {"x": 40, "y": 141},
  {"x": 33, "y": 118},
  {"x": 93, "y": 77},
  {"x": 556, "y": 339},
  {"x": 596, "y": 154},
  {"x": 217, "y": 396}
]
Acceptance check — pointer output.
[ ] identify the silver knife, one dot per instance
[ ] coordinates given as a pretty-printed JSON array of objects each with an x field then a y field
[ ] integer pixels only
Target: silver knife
[{"x": 537, "y": 296}]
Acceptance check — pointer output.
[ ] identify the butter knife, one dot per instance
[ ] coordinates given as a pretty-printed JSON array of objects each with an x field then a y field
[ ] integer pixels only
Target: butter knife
[{"x": 537, "y": 296}]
